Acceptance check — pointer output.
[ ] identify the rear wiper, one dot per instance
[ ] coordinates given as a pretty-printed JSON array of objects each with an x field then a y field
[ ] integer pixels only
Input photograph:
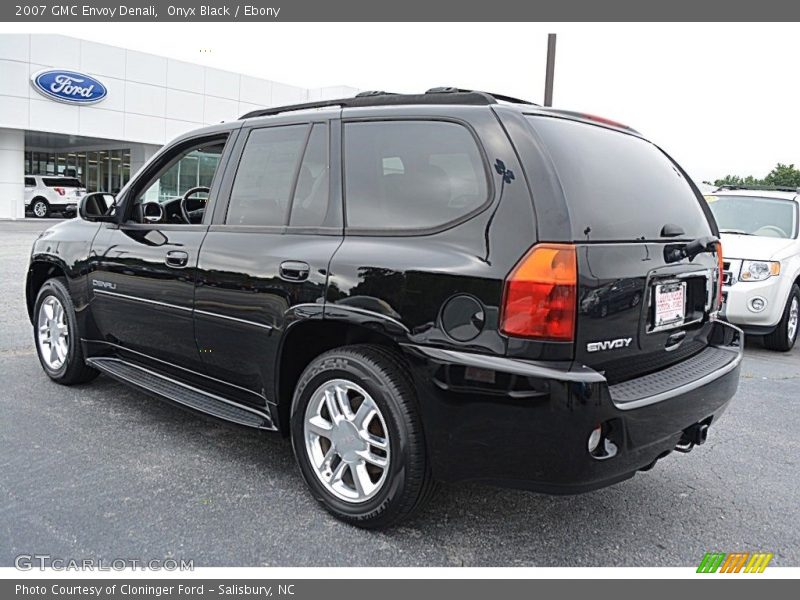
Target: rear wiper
[
  {"x": 675, "y": 253},
  {"x": 734, "y": 231}
]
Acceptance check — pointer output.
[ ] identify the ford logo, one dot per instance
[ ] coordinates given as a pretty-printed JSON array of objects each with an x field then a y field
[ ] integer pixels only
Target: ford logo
[{"x": 68, "y": 86}]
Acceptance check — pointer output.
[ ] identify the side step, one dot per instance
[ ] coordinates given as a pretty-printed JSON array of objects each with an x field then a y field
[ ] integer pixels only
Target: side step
[{"x": 181, "y": 393}]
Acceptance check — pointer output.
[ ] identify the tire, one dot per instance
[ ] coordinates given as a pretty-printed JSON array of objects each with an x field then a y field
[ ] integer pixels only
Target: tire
[
  {"x": 40, "y": 208},
  {"x": 785, "y": 334},
  {"x": 401, "y": 487},
  {"x": 72, "y": 368}
]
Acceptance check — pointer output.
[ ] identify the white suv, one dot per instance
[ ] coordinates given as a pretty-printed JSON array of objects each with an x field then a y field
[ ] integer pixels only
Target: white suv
[
  {"x": 759, "y": 229},
  {"x": 45, "y": 194}
]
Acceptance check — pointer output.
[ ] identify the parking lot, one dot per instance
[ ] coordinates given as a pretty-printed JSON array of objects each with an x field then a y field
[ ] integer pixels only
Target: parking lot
[{"x": 102, "y": 471}]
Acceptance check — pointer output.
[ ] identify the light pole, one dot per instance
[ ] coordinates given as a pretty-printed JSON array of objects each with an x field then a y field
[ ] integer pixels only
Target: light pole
[{"x": 551, "y": 68}]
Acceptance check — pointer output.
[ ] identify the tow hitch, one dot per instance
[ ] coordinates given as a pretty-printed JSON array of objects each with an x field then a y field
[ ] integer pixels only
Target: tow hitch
[{"x": 696, "y": 435}]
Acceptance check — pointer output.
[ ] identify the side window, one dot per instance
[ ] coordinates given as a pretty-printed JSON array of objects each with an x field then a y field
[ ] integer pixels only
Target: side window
[
  {"x": 265, "y": 177},
  {"x": 30, "y": 182},
  {"x": 411, "y": 174},
  {"x": 310, "y": 202},
  {"x": 192, "y": 167}
]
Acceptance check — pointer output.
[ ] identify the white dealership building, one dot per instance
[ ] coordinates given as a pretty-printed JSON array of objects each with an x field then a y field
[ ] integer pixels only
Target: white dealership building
[{"x": 99, "y": 112}]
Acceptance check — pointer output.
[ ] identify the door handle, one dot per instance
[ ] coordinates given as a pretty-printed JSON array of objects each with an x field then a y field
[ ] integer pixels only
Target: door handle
[
  {"x": 177, "y": 259},
  {"x": 294, "y": 270}
]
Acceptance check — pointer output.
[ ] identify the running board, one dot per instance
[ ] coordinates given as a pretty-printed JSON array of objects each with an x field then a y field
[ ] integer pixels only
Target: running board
[{"x": 181, "y": 393}]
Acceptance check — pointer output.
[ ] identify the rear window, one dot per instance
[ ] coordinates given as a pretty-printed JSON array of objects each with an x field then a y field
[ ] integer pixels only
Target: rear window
[
  {"x": 66, "y": 182},
  {"x": 411, "y": 174},
  {"x": 618, "y": 186}
]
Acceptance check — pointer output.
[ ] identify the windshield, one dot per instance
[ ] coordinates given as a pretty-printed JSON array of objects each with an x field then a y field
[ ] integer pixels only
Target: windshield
[{"x": 755, "y": 215}]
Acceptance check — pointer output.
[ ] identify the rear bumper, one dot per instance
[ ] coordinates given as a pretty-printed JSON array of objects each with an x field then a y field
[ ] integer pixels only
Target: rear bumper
[{"x": 530, "y": 427}]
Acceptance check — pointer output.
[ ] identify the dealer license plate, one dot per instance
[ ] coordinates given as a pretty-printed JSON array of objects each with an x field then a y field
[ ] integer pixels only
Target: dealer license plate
[{"x": 670, "y": 301}]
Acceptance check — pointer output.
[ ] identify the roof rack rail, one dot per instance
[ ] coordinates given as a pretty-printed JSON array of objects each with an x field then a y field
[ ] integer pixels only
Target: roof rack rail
[
  {"x": 501, "y": 97},
  {"x": 370, "y": 93},
  {"x": 761, "y": 188},
  {"x": 376, "y": 98}
]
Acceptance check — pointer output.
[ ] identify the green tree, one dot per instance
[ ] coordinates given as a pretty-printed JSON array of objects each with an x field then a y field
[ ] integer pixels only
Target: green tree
[
  {"x": 737, "y": 180},
  {"x": 783, "y": 175}
]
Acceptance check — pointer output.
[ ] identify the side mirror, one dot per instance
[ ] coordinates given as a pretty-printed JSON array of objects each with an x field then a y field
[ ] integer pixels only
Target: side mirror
[
  {"x": 98, "y": 207},
  {"x": 152, "y": 212}
]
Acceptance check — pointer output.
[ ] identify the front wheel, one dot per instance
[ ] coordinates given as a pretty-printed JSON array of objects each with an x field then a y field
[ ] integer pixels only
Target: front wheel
[
  {"x": 785, "y": 334},
  {"x": 357, "y": 436},
  {"x": 56, "y": 335}
]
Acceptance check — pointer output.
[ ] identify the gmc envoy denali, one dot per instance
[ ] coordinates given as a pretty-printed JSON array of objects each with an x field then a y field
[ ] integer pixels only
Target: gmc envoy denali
[{"x": 447, "y": 286}]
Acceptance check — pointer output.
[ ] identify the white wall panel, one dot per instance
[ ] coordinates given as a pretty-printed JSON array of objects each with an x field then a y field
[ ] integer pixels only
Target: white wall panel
[
  {"x": 222, "y": 84},
  {"x": 102, "y": 60},
  {"x": 14, "y": 79},
  {"x": 186, "y": 76},
  {"x": 56, "y": 51},
  {"x": 15, "y": 46},
  {"x": 184, "y": 106},
  {"x": 140, "y": 128},
  {"x": 14, "y": 112},
  {"x": 56, "y": 117},
  {"x": 143, "y": 99},
  {"x": 101, "y": 123},
  {"x": 255, "y": 91},
  {"x": 220, "y": 109},
  {"x": 146, "y": 68}
]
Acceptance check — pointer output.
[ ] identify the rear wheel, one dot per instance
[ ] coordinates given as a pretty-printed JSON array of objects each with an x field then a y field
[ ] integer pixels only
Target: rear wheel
[
  {"x": 40, "y": 208},
  {"x": 57, "y": 337},
  {"x": 785, "y": 334},
  {"x": 358, "y": 437}
]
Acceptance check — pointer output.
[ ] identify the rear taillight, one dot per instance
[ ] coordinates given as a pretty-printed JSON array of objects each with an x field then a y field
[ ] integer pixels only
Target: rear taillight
[
  {"x": 539, "y": 300},
  {"x": 61, "y": 191},
  {"x": 720, "y": 274}
]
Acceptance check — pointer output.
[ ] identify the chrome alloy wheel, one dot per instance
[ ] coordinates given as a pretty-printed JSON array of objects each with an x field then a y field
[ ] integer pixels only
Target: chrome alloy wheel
[
  {"x": 53, "y": 333},
  {"x": 794, "y": 309},
  {"x": 39, "y": 208},
  {"x": 347, "y": 440}
]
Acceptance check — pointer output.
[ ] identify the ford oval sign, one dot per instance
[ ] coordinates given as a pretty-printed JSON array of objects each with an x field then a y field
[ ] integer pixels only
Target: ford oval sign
[{"x": 68, "y": 86}]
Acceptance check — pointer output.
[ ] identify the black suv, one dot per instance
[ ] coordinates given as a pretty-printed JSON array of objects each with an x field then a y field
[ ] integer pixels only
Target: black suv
[{"x": 447, "y": 286}]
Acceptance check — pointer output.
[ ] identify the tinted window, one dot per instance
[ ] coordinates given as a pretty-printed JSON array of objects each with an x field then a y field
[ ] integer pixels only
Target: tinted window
[
  {"x": 30, "y": 182},
  {"x": 411, "y": 174},
  {"x": 310, "y": 203},
  {"x": 62, "y": 182},
  {"x": 263, "y": 184},
  {"x": 618, "y": 186}
]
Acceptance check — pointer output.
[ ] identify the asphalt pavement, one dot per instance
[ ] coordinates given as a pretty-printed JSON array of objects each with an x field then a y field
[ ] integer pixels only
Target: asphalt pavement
[{"x": 101, "y": 471}]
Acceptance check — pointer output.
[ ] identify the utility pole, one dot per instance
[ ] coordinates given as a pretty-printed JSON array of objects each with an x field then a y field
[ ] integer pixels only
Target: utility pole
[{"x": 551, "y": 69}]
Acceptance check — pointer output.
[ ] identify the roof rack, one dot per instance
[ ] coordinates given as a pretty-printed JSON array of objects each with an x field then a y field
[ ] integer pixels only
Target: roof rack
[
  {"x": 500, "y": 97},
  {"x": 442, "y": 95},
  {"x": 761, "y": 188}
]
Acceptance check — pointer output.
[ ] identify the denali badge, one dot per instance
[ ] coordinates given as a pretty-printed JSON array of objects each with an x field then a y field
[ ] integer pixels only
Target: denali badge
[
  {"x": 104, "y": 284},
  {"x": 608, "y": 344}
]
